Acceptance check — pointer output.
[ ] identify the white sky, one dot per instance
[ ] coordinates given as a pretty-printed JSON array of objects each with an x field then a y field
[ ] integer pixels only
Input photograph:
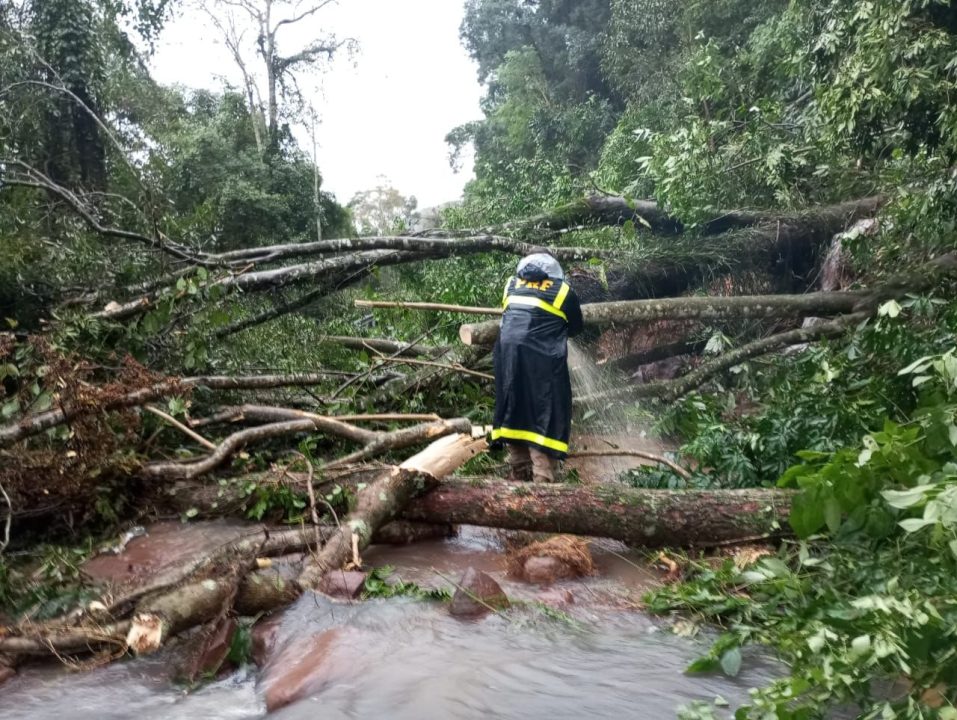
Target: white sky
[{"x": 383, "y": 113}]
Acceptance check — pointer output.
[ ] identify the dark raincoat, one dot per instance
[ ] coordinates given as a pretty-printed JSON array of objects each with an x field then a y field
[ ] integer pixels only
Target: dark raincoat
[{"x": 533, "y": 392}]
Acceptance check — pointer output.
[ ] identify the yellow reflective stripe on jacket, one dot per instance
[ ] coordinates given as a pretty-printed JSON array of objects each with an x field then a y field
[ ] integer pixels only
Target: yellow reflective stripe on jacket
[
  {"x": 535, "y": 302},
  {"x": 508, "y": 285},
  {"x": 562, "y": 294},
  {"x": 509, "y": 434}
]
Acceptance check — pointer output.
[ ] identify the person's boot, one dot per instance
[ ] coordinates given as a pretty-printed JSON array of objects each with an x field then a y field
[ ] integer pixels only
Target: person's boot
[
  {"x": 544, "y": 467},
  {"x": 519, "y": 472}
]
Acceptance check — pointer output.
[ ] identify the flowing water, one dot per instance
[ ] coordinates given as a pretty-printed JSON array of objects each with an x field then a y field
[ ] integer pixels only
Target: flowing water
[{"x": 401, "y": 658}]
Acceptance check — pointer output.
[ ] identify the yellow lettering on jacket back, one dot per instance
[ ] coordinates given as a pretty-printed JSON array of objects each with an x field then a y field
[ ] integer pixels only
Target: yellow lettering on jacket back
[{"x": 542, "y": 285}]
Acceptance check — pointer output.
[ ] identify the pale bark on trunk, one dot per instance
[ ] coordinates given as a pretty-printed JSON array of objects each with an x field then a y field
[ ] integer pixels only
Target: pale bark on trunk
[
  {"x": 386, "y": 497},
  {"x": 693, "y": 308},
  {"x": 818, "y": 304}
]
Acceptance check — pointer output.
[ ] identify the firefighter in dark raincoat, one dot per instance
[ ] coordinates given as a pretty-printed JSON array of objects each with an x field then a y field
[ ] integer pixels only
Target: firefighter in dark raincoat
[{"x": 533, "y": 392}]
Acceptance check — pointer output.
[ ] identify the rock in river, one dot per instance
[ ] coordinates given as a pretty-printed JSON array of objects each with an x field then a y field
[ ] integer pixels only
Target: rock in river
[{"x": 476, "y": 594}]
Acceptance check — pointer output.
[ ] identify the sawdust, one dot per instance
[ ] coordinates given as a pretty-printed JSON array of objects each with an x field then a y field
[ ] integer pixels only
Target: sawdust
[{"x": 571, "y": 550}]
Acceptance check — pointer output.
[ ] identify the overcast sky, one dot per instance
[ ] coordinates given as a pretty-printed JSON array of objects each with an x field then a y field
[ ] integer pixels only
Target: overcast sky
[{"x": 385, "y": 112}]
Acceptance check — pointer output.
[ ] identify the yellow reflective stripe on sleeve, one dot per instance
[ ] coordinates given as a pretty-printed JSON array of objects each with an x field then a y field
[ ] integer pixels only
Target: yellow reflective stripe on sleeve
[
  {"x": 562, "y": 294},
  {"x": 509, "y": 434},
  {"x": 535, "y": 302}
]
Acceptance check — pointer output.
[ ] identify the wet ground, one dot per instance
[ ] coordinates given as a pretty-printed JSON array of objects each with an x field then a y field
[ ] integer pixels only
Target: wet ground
[{"x": 403, "y": 658}]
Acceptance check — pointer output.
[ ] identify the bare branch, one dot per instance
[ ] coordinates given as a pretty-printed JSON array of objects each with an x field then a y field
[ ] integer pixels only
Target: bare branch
[
  {"x": 179, "y": 426},
  {"x": 35, "y": 424},
  {"x": 303, "y": 15},
  {"x": 9, "y": 522},
  {"x": 633, "y": 453},
  {"x": 308, "y": 54}
]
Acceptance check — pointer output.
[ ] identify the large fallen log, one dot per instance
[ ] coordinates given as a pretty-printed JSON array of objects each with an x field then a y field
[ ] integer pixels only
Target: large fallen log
[
  {"x": 818, "y": 304},
  {"x": 767, "y": 242},
  {"x": 694, "y": 308},
  {"x": 640, "y": 518}
]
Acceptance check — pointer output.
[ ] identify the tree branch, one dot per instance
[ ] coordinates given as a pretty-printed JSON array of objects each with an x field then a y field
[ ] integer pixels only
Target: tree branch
[
  {"x": 35, "y": 424},
  {"x": 672, "y": 389},
  {"x": 36, "y": 179},
  {"x": 303, "y": 15}
]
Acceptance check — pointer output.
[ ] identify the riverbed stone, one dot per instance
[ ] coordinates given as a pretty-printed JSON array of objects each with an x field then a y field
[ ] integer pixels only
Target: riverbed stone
[
  {"x": 263, "y": 639},
  {"x": 477, "y": 593},
  {"x": 216, "y": 647},
  {"x": 6, "y": 673},
  {"x": 545, "y": 570},
  {"x": 557, "y": 598},
  {"x": 306, "y": 665},
  {"x": 343, "y": 584}
]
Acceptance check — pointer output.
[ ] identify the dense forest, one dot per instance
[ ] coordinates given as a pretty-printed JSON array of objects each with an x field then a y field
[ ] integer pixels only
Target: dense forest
[{"x": 757, "y": 201}]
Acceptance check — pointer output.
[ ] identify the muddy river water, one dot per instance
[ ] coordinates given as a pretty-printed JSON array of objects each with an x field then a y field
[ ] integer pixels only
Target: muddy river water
[{"x": 404, "y": 658}]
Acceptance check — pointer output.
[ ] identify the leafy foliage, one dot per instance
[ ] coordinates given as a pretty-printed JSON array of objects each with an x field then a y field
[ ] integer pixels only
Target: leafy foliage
[
  {"x": 379, "y": 584},
  {"x": 875, "y": 601},
  {"x": 818, "y": 400}
]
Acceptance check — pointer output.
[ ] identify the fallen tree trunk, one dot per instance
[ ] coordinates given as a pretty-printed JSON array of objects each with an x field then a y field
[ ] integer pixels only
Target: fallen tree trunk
[
  {"x": 640, "y": 518},
  {"x": 694, "y": 308},
  {"x": 597, "y": 210},
  {"x": 764, "y": 241},
  {"x": 818, "y": 304}
]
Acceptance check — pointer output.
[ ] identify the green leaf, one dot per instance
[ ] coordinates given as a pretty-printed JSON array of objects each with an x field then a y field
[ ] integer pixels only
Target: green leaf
[
  {"x": 918, "y": 365},
  {"x": 731, "y": 662},
  {"x": 902, "y": 499},
  {"x": 816, "y": 642},
  {"x": 915, "y": 524},
  {"x": 861, "y": 645},
  {"x": 832, "y": 514},
  {"x": 889, "y": 309},
  {"x": 702, "y": 665},
  {"x": 10, "y": 408},
  {"x": 807, "y": 514}
]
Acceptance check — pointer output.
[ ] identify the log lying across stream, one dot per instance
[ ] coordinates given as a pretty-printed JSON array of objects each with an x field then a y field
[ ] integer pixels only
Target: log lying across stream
[{"x": 637, "y": 517}]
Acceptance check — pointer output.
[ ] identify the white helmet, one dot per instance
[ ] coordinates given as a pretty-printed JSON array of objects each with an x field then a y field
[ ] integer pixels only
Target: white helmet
[{"x": 546, "y": 263}]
